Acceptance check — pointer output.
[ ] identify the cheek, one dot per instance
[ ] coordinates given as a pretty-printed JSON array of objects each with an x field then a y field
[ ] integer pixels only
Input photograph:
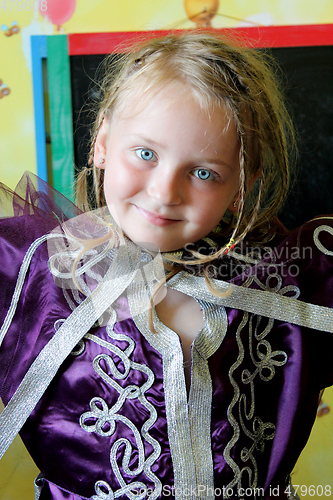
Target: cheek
[
  {"x": 211, "y": 209},
  {"x": 120, "y": 183},
  {"x": 211, "y": 220}
]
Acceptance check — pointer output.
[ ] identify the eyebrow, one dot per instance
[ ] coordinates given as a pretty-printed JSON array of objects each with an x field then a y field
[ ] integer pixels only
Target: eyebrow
[
  {"x": 145, "y": 139},
  {"x": 217, "y": 162}
]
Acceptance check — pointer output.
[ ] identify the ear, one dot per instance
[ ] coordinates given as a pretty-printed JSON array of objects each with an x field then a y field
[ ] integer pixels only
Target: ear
[
  {"x": 233, "y": 207},
  {"x": 101, "y": 145}
]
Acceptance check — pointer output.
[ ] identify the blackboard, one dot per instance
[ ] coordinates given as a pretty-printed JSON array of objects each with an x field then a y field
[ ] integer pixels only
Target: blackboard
[{"x": 306, "y": 74}]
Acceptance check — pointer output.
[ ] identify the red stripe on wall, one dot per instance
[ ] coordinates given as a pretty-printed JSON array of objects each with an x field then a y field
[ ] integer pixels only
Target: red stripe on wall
[{"x": 259, "y": 37}]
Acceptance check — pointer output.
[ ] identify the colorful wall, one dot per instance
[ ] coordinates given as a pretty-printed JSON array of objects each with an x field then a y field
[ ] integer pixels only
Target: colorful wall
[{"x": 20, "y": 19}]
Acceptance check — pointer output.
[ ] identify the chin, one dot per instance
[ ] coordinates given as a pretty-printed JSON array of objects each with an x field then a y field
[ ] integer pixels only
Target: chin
[{"x": 156, "y": 246}]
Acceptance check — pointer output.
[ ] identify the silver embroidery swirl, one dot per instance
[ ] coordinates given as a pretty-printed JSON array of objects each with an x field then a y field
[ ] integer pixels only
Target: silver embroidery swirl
[
  {"x": 105, "y": 421},
  {"x": 317, "y": 242},
  {"x": 264, "y": 361},
  {"x": 232, "y": 420},
  {"x": 104, "y": 492}
]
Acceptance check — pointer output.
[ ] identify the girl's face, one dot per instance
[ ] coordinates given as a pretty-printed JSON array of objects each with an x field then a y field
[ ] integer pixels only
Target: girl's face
[{"x": 171, "y": 169}]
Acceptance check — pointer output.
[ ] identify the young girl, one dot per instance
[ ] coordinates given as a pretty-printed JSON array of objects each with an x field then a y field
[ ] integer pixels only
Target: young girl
[{"x": 194, "y": 373}]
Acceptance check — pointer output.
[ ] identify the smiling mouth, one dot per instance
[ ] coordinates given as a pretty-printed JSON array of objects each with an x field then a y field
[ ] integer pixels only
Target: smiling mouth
[{"x": 157, "y": 220}]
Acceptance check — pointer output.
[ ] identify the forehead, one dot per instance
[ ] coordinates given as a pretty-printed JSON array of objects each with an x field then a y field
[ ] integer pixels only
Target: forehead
[{"x": 135, "y": 97}]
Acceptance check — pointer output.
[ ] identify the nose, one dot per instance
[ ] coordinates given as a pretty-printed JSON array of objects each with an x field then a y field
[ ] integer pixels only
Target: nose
[{"x": 165, "y": 188}]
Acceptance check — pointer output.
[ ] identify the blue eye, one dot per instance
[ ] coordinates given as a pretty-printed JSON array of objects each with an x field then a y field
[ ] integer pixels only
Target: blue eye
[
  {"x": 145, "y": 154},
  {"x": 203, "y": 174}
]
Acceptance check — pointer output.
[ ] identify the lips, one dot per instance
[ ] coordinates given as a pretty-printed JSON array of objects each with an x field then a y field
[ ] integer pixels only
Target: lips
[{"x": 156, "y": 219}]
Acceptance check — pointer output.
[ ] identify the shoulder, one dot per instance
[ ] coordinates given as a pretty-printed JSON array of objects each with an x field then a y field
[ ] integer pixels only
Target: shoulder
[
  {"x": 303, "y": 247},
  {"x": 27, "y": 214},
  {"x": 21, "y": 240},
  {"x": 318, "y": 233},
  {"x": 21, "y": 231},
  {"x": 299, "y": 267},
  {"x": 306, "y": 255}
]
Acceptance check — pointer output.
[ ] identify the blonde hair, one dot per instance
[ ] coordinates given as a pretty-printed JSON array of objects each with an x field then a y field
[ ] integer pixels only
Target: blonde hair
[{"x": 218, "y": 73}]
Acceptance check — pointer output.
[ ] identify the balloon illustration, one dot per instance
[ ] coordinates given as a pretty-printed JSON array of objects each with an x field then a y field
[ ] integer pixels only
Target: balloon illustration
[{"x": 57, "y": 11}]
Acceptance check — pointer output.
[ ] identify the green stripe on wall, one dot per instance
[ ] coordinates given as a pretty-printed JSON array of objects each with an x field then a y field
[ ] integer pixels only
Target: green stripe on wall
[{"x": 61, "y": 120}]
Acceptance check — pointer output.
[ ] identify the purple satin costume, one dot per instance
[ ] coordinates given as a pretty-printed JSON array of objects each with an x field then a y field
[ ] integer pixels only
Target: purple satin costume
[{"x": 116, "y": 421}]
